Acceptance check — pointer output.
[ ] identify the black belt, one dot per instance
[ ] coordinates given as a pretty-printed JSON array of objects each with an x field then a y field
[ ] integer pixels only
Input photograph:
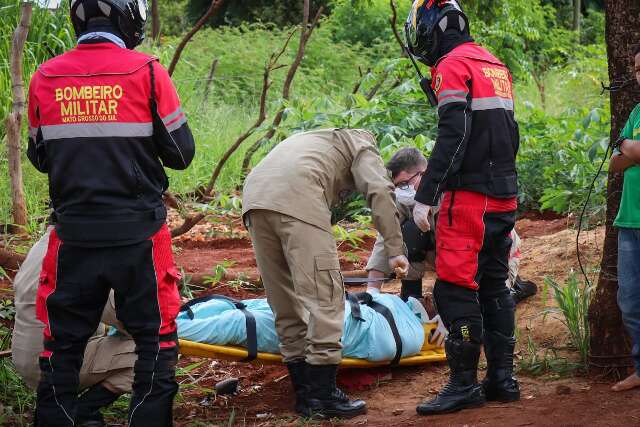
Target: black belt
[
  {"x": 365, "y": 298},
  {"x": 250, "y": 321}
]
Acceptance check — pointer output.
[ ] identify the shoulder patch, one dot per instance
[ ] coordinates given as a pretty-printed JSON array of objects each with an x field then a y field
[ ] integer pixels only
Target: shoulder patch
[{"x": 438, "y": 83}]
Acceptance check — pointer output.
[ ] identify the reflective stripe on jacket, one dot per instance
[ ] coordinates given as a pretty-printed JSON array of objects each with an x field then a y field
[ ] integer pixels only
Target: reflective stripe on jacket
[
  {"x": 91, "y": 128},
  {"x": 478, "y": 135}
]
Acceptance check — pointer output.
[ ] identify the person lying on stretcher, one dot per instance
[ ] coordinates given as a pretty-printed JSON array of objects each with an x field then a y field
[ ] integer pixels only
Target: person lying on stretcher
[
  {"x": 406, "y": 168},
  {"x": 372, "y": 325}
]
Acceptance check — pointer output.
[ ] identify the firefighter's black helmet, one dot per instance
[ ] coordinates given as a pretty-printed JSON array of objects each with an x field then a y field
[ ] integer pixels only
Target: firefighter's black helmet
[
  {"x": 129, "y": 17},
  {"x": 427, "y": 20}
]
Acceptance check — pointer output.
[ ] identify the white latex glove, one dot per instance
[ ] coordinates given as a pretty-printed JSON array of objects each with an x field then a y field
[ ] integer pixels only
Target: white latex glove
[
  {"x": 400, "y": 265},
  {"x": 440, "y": 333},
  {"x": 421, "y": 216}
]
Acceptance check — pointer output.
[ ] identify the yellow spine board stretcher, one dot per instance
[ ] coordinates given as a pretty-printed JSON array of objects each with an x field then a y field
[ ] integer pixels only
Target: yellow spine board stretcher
[{"x": 428, "y": 354}]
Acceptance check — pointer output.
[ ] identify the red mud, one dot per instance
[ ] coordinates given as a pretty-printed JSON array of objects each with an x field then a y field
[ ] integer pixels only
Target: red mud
[
  {"x": 265, "y": 397},
  {"x": 199, "y": 257},
  {"x": 234, "y": 255}
]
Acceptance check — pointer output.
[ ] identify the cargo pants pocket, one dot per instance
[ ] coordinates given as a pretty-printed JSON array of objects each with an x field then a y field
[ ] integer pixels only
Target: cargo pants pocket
[
  {"x": 457, "y": 261},
  {"x": 328, "y": 280}
]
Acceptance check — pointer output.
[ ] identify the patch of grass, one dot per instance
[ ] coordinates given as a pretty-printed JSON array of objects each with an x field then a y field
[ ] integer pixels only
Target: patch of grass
[
  {"x": 538, "y": 362},
  {"x": 17, "y": 401},
  {"x": 119, "y": 410},
  {"x": 572, "y": 301}
]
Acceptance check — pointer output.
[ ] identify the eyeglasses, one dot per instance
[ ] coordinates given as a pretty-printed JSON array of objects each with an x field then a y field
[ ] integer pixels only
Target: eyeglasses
[{"x": 405, "y": 185}]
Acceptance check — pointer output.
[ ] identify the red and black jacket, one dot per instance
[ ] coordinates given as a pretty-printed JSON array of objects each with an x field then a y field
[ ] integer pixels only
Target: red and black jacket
[
  {"x": 102, "y": 131},
  {"x": 478, "y": 135}
]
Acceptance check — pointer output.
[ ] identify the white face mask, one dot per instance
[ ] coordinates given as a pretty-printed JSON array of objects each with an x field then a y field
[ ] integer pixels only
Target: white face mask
[{"x": 407, "y": 196}]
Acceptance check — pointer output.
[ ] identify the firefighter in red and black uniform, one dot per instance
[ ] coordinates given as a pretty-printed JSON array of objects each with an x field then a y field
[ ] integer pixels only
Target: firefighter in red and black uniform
[
  {"x": 104, "y": 120},
  {"x": 473, "y": 168}
]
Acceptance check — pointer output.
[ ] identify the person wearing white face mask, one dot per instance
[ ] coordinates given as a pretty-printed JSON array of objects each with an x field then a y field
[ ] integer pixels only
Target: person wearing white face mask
[{"x": 406, "y": 167}]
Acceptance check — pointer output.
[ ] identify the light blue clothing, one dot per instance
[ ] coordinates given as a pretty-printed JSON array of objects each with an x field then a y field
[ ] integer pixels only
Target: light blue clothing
[{"x": 219, "y": 322}]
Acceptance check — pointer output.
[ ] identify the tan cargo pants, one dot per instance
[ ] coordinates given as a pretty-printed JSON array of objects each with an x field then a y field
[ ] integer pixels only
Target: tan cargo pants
[{"x": 301, "y": 275}]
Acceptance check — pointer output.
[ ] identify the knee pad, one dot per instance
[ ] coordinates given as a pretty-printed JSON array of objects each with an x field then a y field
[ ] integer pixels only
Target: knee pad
[
  {"x": 499, "y": 314},
  {"x": 466, "y": 330},
  {"x": 455, "y": 302}
]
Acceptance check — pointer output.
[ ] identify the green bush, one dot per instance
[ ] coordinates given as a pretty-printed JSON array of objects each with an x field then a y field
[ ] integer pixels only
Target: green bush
[
  {"x": 282, "y": 13},
  {"x": 559, "y": 157},
  {"x": 173, "y": 17},
  {"x": 561, "y": 140},
  {"x": 366, "y": 22}
]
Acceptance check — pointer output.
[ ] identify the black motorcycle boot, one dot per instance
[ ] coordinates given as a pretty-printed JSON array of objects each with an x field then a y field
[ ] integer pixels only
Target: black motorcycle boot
[
  {"x": 499, "y": 384},
  {"x": 325, "y": 400},
  {"x": 411, "y": 288},
  {"x": 90, "y": 403},
  {"x": 462, "y": 391},
  {"x": 523, "y": 289},
  {"x": 298, "y": 375}
]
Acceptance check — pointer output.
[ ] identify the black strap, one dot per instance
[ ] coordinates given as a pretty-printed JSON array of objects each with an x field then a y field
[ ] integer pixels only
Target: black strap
[
  {"x": 367, "y": 299},
  {"x": 152, "y": 75},
  {"x": 355, "y": 307},
  {"x": 250, "y": 321},
  {"x": 386, "y": 313}
]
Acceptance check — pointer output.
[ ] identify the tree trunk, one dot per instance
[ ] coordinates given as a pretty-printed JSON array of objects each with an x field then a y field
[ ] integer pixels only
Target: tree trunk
[
  {"x": 14, "y": 120},
  {"x": 155, "y": 21},
  {"x": 577, "y": 14},
  {"x": 609, "y": 342}
]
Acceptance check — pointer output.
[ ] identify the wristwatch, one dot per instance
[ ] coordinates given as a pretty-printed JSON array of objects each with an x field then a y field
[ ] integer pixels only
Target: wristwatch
[{"x": 618, "y": 142}]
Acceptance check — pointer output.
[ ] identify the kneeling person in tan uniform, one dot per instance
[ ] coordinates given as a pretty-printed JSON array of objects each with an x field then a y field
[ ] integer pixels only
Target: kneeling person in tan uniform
[
  {"x": 107, "y": 369},
  {"x": 287, "y": 205}
]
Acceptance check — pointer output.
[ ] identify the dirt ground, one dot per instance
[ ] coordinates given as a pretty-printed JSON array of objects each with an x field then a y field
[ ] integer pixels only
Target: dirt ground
[
  {"x": 264, "y": 397},
  {"x": 549, "y": 250}
]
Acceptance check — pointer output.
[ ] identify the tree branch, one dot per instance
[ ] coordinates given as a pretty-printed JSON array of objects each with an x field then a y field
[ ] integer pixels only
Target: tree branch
[
  {"x": 305, "y": 34},
  {"x": 394, "y": 28},
  {"x": 374, "y": 90},
  {"x": 356, "y": 87},
  {"x": 270, "y": 66},
  {"x": 266, "y": 85},
  {"x": 213, "y": 9}
]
